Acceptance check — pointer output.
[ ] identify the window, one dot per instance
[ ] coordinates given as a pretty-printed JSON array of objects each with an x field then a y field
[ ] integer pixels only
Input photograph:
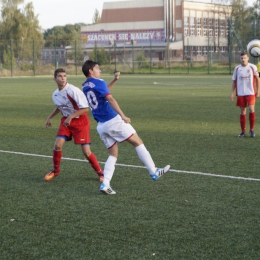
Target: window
[
  {"x": 193, "y": 51},
  {"x": 210, "y": 32},
  {"x": 192, "y": 22},
  {"x": 186, "y": 21},
  {"x": 210, "y": 23},
  {"x": 205, "y": 51},
  {"x": 199, "y": 51},
  {"x": 205, "y": 32},
  {"x": 198, "y": 32},
  {"x": 205, "y": 24},
  {"x": 186, "y": 32},
  {"x": 192, "y": 32},
  {"x": 186, "y": 50},
  {"x": 222, "y": 24},
  {"x": 198, "y": 22}
]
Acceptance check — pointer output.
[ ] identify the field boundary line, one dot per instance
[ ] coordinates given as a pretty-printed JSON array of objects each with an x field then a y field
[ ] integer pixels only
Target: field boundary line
[{"x": 135, "y": 166}]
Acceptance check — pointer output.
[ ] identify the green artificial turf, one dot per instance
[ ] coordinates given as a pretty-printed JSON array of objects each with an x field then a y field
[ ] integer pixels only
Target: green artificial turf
[{"x": 185, "y": 121}]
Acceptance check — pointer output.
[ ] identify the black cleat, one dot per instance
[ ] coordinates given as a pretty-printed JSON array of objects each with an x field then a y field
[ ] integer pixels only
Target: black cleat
[
  {"x": 252, "y": 133},
  {"x": 242, "y": 135}
]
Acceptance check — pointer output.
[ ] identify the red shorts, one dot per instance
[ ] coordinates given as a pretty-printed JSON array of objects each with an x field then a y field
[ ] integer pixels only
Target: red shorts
[
  {"x": 79, "y": 129},
  {"x": 244, "y": 101}
]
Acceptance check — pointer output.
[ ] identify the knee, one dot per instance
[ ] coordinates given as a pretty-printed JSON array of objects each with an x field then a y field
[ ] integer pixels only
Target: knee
[{"x": 58, "y": 147}]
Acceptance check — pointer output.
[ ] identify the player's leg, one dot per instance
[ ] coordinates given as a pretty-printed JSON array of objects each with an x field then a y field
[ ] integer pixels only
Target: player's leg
[
  {"x": 146, "y": 158},
  {"x": 252, "y": 119},
  {"x": 242, "y": 119},
  {"x": 56, "y": 158},
  {"x": 109, "y": 170},
  {"x": 92, "y": 160}
]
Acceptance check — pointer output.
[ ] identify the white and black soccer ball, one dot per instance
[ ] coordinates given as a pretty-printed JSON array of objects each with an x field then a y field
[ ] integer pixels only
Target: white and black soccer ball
[{"x": 253, "y": 48}]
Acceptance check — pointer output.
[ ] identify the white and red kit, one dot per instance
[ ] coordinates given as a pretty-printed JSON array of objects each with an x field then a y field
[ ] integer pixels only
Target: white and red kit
[
  {"x": 244, "y": 78},
  {"x": 69, "y": 100}
]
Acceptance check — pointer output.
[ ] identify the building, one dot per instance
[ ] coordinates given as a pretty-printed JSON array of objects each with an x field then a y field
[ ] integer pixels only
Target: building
[{"x": 170, "y": 29}]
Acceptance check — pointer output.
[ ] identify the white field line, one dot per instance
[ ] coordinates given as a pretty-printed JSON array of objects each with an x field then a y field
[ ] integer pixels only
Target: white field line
[{"x": 134, "y": 166}]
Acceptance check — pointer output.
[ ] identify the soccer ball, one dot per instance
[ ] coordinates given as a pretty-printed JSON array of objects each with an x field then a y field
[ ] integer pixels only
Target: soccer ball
[{"x": 253, "y": 48}]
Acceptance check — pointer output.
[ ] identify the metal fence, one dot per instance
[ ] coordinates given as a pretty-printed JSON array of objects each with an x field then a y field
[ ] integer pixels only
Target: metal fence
[{"x": 31, "y": 58}]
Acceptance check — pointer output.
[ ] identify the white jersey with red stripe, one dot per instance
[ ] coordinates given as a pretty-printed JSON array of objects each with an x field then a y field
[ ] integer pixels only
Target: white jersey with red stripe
[
  {"x": 244, "y": 77},
  {"x": 69, "y": 99}
]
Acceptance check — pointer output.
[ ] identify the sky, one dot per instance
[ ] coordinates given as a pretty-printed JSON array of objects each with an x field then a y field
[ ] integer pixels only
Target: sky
[{"x": 59, "y": 12}]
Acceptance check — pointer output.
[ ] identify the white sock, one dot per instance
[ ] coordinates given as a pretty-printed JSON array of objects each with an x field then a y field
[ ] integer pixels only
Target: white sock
[
  {"x": 109, "y": 169},
  {"x": 146, "y": 158}
]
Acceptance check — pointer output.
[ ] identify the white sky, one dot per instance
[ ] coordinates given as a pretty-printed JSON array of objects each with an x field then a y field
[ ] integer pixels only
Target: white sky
[{"x": 59, "y": 12}]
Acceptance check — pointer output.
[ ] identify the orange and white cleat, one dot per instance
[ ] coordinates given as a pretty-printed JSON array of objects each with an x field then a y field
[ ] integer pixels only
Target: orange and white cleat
[{"x": 49, "y": 176}]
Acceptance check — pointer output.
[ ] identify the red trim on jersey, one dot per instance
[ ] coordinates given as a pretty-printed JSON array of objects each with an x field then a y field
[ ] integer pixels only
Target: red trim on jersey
[{"x": 73, "y": 102}]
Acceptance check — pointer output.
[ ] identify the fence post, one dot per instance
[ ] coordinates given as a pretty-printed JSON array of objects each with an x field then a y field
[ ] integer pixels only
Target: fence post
[
  {"x": 188, "y": 62},
  {"x": 76, "y": 57},
  {"x": 115, "y": 54},
  {"x": 150, "y": 55},
  {"x": 208, "y": 55},
  {"x": 11, "y": 46},
  {"x": 133, "y": 69},
  {"x": 229, "y": 45},
  {"x": 55, "y": 57},
  {"x": 33, "y": 58}
]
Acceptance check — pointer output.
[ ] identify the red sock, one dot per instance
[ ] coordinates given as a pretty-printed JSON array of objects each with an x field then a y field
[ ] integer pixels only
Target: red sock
[
  {"x": 94, "y": 163},
  {"x": 252, "y": 120},
  {"x": 56, "y": 160},
  {"x": 243, "y": 123}
]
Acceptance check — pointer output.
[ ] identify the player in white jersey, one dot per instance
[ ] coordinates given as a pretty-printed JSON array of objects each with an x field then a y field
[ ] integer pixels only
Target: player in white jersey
[
  {"x": 72, "y": 103},
  {"x": 113, "y": 126},
  {"x": 247, "y": 85}
]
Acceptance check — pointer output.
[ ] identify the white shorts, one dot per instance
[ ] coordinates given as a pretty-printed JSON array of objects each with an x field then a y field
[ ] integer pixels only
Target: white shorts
[{"x": 114, "y": 130}]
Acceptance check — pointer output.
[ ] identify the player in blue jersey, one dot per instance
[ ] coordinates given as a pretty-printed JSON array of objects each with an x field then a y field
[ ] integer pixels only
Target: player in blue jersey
[{"x": 113, "y": 126}]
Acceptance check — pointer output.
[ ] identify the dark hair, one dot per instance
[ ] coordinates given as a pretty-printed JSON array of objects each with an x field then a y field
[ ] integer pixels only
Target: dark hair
[
  {"x": 243, "y": 53},
  {"x": 88, "y": 65},
  {"x": 58, "y": 71}
]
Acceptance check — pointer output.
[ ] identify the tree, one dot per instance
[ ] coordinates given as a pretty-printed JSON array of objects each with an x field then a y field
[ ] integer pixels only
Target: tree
[
  {"x": 22, "y": 27},
  {"x": 99, "y": 55},
  {"x": 96, "y": 17},
  {"x": 62, "y": 35}
]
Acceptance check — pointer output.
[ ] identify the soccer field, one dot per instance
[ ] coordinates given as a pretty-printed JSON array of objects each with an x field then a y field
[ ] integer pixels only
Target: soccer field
[{"x": 205, "y": 207}]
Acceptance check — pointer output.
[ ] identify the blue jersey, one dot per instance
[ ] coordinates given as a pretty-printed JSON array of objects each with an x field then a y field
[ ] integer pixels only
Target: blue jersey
[{"x": 96, "y": 91}]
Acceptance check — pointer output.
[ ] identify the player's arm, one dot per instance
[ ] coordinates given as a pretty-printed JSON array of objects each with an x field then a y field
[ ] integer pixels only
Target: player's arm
[
  {"x": 233, "y": 87},
  {"x": 258, "y": 87},
  {"x": 53, "y": 114},
  {"x": 79, "y": 112},
  {"x": 112, "y": 83},
  {"x": 113, "y": 103}
]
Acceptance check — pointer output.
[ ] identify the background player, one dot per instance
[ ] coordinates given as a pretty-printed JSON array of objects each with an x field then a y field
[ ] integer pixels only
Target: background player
[
  {"x": 113, "y": 126},
  {"x": 71, "y": 102},
  {"x": 246, "y": 83}
]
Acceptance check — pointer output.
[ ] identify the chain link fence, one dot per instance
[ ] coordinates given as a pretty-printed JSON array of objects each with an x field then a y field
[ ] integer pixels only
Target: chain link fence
[{"x": 31, "y": 58}]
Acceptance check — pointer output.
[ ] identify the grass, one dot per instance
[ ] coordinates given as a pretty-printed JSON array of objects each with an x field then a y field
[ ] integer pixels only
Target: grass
[{"x": 186, "y": 121}]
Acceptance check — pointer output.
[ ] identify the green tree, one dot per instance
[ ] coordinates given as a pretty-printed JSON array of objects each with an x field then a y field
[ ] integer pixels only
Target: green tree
[
  {"x": 141, "y": 59},
  {"x": 8, "y": 59},
  {"x": 22, "y": 26},
  {"x": 96, "y": 17},
  {"x": 99, "y": 55},
  {"x": 62, "y": 35}
]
